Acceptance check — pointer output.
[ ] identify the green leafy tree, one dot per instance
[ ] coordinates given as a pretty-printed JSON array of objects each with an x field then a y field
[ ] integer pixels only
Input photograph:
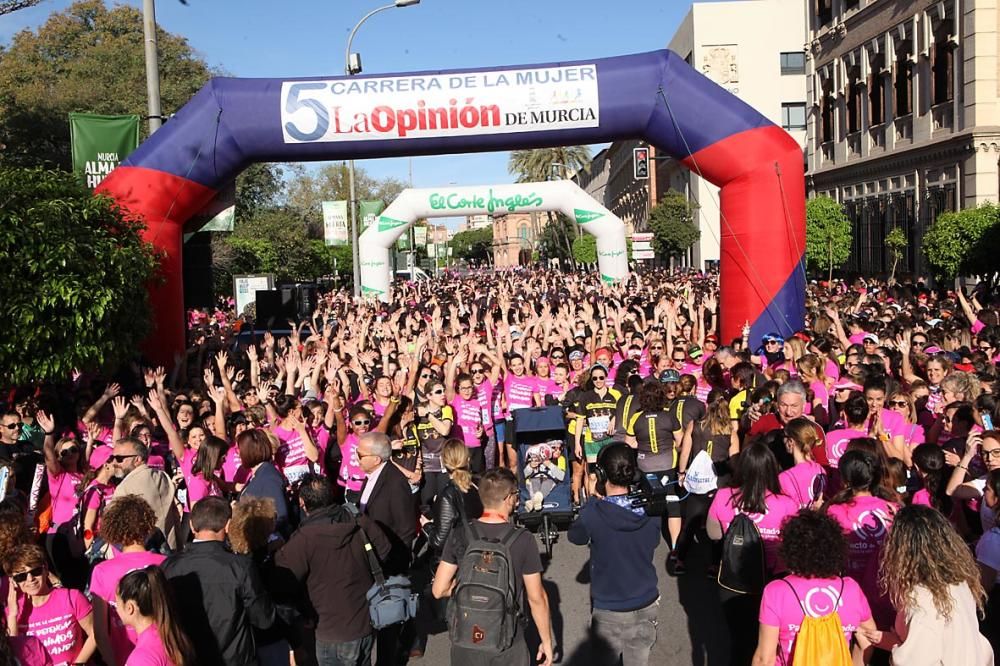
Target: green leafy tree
[
  {"x": 474, "y": 244},
  {"x": 964, "y": 243},
  {"x": 261, "y": 186},
  {"x": 552, "y": 238},
  {"x": 673, "y": 225},
  {"x": 86, "y": 58},
  {"x": 896, "y": 241},
  {"x": 309, "y": 189},
  {"x": 274, "y": 241},
  {"x": 73, "y": 288},
  {"x": 828, "y": 235},
  {"x": 585, "y": 249}
]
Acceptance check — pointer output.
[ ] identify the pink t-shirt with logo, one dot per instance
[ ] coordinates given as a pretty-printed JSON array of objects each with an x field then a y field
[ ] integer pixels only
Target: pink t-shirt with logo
[
  {"x": 56, "y": 623},
  {"x": 804, "y": 483},
  {"x": 149, "y": 650},
  {"x": 893, "y": 423},
  {"x": 469, "y": 416},
  {"x": 520, "y": 391},
  {"x": 104, "y": 582},
  {"x": 866, "y": 522},
  {"x": 484, "y": 396},
  {"x": 786, "y": 609},
  {"x": 62, "y": 487},
  {"x": 837, "y": 441},
  {"x": 351, "y": 475},
  {"x": 233, "y": 470},
  {"x": 291, "y": 459},
  {"x": 768, "y": 524},
  {"x": 29, "y": 651}
]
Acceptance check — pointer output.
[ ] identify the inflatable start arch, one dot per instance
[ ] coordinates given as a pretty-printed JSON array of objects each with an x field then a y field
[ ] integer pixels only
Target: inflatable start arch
[
  {"x": 564, "y": 196},
  {"x": 231, "y": 123}
]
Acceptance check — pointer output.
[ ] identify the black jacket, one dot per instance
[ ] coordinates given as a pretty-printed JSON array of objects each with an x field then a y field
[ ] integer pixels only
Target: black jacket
[
  {"x": 268, "y": 482},
  {"x": 393, "y": 507},
  {"x": 327, "y": 554},
  {"x": 447, "y": 517},
  {"x": 219, "y": 596}
]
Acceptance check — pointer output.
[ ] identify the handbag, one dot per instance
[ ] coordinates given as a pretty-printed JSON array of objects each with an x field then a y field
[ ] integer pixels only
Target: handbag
[{"x": 390, "y": 601}]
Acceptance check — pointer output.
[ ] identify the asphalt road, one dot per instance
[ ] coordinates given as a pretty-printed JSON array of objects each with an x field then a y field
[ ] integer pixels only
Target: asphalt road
[{"x": 691, "y": 632}]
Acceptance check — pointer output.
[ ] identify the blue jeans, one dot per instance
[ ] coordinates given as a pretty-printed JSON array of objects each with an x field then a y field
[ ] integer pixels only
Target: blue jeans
[{"x": 349, "y": 653}]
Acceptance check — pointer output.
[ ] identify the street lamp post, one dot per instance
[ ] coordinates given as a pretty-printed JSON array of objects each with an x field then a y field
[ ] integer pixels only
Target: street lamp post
[
  {"x": 352, "y": 63},
  {"x": 152, "y": 65}
]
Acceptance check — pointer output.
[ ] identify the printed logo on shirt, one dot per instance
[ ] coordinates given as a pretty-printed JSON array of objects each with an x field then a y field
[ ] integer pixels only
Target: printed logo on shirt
[
  {"x": 871, "y": 526},
  {"x": 821, "y": 601}
]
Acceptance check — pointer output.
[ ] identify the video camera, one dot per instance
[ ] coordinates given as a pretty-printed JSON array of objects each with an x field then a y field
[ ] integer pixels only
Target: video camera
[{"x": 653, "y": 490}]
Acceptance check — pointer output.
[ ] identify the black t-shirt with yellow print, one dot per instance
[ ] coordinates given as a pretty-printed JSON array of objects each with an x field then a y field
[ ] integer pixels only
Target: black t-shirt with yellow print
[{"x": 431, "y": 441}]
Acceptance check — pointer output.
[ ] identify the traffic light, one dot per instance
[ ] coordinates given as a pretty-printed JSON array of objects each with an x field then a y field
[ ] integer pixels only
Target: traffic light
[{"x": 640, "y": 163}]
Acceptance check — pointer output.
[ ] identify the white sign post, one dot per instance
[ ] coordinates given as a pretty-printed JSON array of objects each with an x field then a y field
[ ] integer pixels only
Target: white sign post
[{"x": 564, "y": 196}]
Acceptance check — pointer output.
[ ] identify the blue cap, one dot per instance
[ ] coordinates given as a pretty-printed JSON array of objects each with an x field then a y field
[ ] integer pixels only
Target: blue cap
[{"x": 670, "y": 375}]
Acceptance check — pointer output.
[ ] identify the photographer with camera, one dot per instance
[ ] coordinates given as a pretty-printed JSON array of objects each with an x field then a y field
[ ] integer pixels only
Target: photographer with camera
[{"x": 623, "y": 538}]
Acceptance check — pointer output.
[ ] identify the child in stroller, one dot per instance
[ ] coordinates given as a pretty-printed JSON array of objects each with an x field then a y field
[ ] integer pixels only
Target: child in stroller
[{"x": 543, "y": 473}]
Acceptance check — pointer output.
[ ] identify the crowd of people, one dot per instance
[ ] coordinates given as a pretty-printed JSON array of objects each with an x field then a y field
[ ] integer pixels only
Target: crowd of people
[{"x": 241, "y": 506}]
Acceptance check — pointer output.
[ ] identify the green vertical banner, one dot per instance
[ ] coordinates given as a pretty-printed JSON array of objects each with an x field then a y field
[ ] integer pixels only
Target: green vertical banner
[
  {"x": 369, "y": 212},
  {"x": 403, "y": 244},
  {"x": 335, "y": 222},
  {"x": 420, "y": 236},
  {"x": 100, "y": 143}
]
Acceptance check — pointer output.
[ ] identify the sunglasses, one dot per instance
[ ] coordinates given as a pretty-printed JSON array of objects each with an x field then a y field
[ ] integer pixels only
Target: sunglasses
[
  {"x": 557, "y": 357},
  {"x": 598, "y": 378},
  {"x": 477, "y": 371},
  {"x": 465, "y": 388},
  {"x": 424, "y": 375},
  {"x": 12, "y": 426},
  {"x": 361, "y": 422},
  {"x": 23, "y": 576},
  {"x": 118, "y": 458},
  {"x": 437, "y": 392},
  {"x": 899, "y": 403},
  {"x": 918, "y": 343},
  {"x": 68, "y": 451},
  {"x": 657, "y": 347}
]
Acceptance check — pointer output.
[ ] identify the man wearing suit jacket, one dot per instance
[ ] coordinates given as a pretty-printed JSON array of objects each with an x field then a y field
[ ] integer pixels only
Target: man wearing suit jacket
[{"x": 387, "y": 499}]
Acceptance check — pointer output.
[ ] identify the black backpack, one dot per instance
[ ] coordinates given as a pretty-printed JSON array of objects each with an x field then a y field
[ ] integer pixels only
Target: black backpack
[
  {"x": 483, "y": 610},
  {"x": 742, "y": 567}
]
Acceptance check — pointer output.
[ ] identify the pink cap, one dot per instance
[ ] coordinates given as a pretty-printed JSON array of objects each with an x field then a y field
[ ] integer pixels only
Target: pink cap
[
  {"x": 847, "y": 385},
  {"x": 100, "y": 455}
]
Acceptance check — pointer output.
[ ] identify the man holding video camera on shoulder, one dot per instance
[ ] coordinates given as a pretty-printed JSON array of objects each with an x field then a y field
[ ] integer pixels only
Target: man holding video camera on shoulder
[{"x": 623, "y": 584}]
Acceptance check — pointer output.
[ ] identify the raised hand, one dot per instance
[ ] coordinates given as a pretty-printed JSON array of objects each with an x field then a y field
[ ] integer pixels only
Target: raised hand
[
  {"x": 112, "y": 390},
  {"x": 209, "y": 378},
  {"x": 46, "y": 423},
  {"x": 221, "y": 359},
  {"x": 119, "y": 406},
  {"x": 149, "y": 376},
  {"x": 268, "y": 341}
]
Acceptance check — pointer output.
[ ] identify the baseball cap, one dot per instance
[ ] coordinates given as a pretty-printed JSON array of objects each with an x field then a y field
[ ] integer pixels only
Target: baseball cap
[
  {"x": 772, "y": 337},
  {"x": 100, "y": 455},
  {"x": 694, "y": 351},
  {"x": 847, "y": 386},
  {"x": 575, "y": 355},
  {"x": 669, "y": 376},
  {"x": 869, "y": 336},
  {"x": 712, "y": 338}
]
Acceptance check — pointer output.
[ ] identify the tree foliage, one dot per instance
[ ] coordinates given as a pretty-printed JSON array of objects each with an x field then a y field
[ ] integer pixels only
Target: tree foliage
[
  {"x": 896, "y": 241},
  {"x": 828, "y": 235},
  {"x": 87, "y": 58},
  {"x": 673, "y": 225},
  {"x": 73, "y": 288},
  {"x": 473, "y": 244},
  {"x": 309, "y": 189},
  {"x": 585, "y": 249},
  {"x": 553, "y": 240},
  {"x": 964, "y": 243},
  {"x": 536, "y": 165}
]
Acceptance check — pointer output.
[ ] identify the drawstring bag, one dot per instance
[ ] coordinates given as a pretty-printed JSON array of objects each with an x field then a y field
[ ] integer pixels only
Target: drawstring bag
[{"x": 820, "y": 641}]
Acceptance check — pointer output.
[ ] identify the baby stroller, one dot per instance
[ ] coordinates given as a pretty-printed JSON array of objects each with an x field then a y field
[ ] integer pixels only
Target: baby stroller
[{"x": 543, "y": 472}]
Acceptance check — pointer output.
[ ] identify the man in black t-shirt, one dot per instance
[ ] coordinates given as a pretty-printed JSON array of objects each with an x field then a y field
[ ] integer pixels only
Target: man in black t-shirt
[
  {"x": 21, "y": 454},
  {"x": 498, "y": 492}
]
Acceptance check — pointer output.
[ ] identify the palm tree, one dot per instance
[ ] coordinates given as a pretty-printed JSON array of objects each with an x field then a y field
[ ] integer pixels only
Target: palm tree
[{"x": 534, "y": 165}]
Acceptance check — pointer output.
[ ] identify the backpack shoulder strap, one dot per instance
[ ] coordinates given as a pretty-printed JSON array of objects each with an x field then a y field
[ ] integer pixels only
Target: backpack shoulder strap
[
  {"x": 796, "y": 594},
  {"x": 512, "y": 533}
]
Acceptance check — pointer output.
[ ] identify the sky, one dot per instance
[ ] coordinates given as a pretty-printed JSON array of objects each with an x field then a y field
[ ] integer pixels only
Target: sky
[{"x": 285, "y": 38}]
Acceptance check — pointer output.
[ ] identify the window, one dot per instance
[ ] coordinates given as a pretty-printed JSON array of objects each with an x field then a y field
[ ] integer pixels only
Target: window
[
  {"x": 522, "y": 232},
  {"x": 824, "y": 12},
  {"x": 793, "y": 63},
  {"x": 855, "y": 90},
  {"x": 793, "y": 116},
  {"x": 827, "y": 107},
  {"x": 876, "y": 91},
  {"x": 903, "y": 80},
  {"x": 943, "y": 62}
]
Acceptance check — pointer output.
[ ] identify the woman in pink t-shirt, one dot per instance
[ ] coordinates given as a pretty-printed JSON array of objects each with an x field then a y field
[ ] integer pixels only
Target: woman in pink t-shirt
[
  {"x": 204, "y": 477},
  {"x": 865, "y": 511},
  {"x": 145, "y": 605},
  {"x": 297, "y": 453},
  {"x": 806, "y": 480},
  {"x": 756, "y": 492},
  {"x": 815, "y": 552},
  {"x": 928, "y": 461},
  {"x": 351, "y": 476},
  {"x": 128, "y": 522},
  {"x": 65, "y": 466},
  {"x": 854, "y": 414},
  {"x": 61, "y": 617},
  {"x": 469, "y": 417}
]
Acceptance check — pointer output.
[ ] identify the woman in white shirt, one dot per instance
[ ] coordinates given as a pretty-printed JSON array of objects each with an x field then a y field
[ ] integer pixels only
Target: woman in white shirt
[{"x": 934, "y": 584}]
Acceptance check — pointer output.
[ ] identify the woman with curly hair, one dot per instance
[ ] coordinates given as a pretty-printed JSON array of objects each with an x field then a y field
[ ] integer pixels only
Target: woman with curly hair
[
  {"x": 815, "y": 552},
  {"x": 126, "y": 524},
  {"x": 932, "y": 580}
]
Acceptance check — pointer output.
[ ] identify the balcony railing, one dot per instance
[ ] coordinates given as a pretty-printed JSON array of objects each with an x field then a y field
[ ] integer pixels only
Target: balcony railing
[
  {"x": 904, "y": 129},
  {"x": 943, "y": 116},
  {"x": 854, "y": 144},
  {"x": 877, "y": 134}
]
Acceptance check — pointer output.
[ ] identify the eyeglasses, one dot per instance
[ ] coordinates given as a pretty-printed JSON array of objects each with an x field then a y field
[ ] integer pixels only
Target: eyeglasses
[
  {"x": 680, "y": 360},
  {"x": 918, "y": 343},
  {"x": 437, "y": 392},
  {"x": 598, "y": 378},
  {"x": 425, "y": 375},
  {"x": 68, "y": 451},
  {"x": 23, "y": 576},
  {"x": 368, "y": 455},
  {"x": 118, "y": 458},
  {"x": 555, "y": 357},
  {"x": 12, "y": 426},
  {"x": 990, "y": 453},
  {"x": 465, "y": 388},
  {"x": 656, "y": 347},
  {"x": 477, "y": 371},
  {"x": 361, "y": 422},
  {"x": 899, "y": 403}
]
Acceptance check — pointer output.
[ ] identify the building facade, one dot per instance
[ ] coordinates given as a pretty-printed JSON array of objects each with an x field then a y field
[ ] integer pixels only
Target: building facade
[
  {"x": 903, "y": 120},
  {"x": 515, "y": 238}
]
